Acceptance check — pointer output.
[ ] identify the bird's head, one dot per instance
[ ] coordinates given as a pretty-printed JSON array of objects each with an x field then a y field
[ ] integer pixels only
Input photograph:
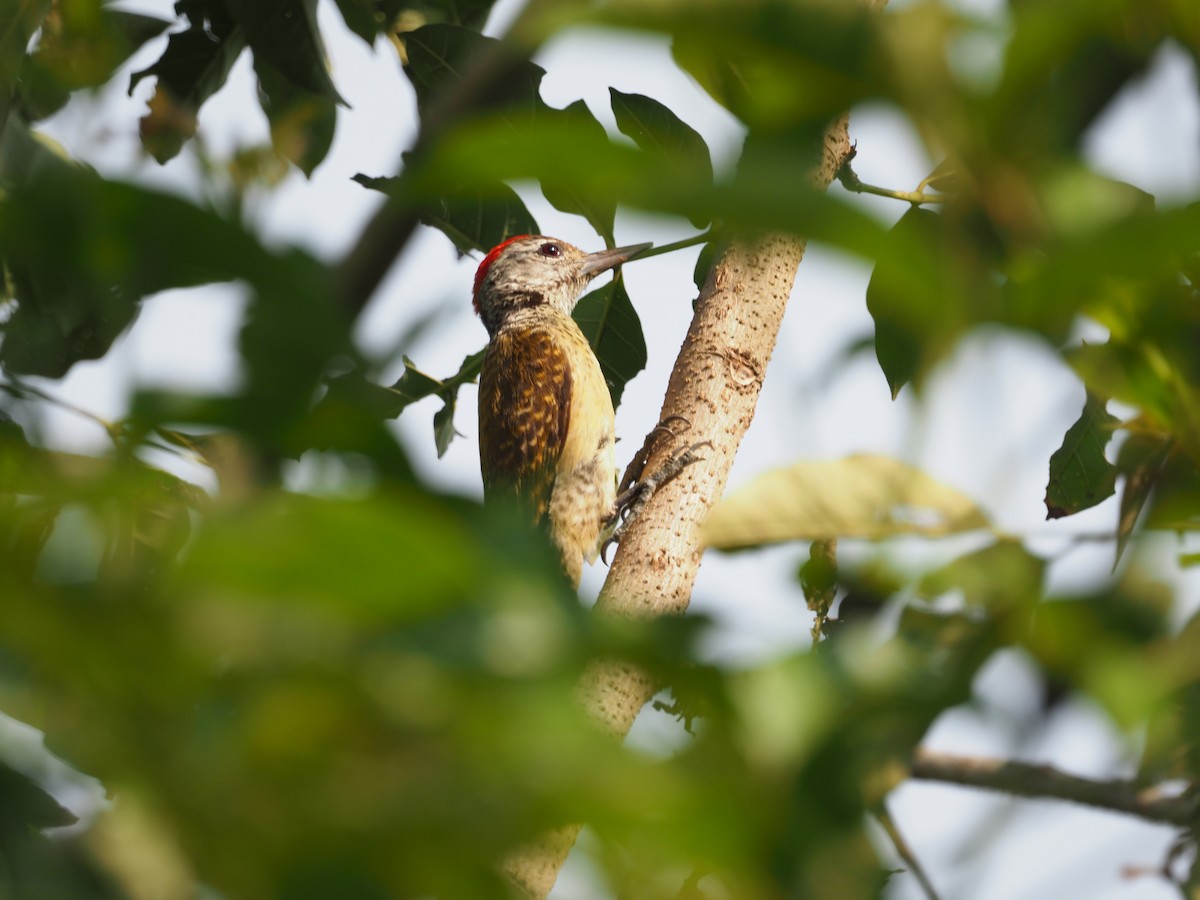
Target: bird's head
[{"x": 534, "y": 270}]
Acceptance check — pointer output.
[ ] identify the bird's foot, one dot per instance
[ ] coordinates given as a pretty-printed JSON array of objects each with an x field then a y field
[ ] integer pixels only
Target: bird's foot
[{"x": 637, "y": 488}]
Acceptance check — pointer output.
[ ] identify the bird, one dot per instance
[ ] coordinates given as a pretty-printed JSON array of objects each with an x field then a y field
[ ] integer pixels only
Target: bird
[{"x": 547, "y": 430}]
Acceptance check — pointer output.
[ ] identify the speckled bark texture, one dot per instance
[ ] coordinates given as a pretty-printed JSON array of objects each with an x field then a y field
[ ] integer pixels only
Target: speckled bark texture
[{"x": 715, "y": 386}]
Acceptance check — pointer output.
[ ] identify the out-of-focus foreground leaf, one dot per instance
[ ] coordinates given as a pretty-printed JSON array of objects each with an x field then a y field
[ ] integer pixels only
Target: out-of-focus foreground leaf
[{"x": 862, "y": 496}]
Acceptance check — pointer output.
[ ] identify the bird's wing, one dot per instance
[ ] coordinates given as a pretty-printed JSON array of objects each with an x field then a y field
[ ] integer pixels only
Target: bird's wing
[{"x": 524, "y": 412}]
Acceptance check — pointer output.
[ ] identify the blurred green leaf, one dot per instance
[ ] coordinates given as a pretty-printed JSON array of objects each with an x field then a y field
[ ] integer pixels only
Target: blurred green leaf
[
  {"x": 472, "y": 14},
  {"x": 478, "y": 155},
  {"x": 302, "y": 121},
  {"x": 354, "y": 391},
  {"x": 27, "y": 805},
  {"x": 922, "y": 295},
  {"x": 19, "y": 19},
  {"x": 611, "y": 324},
  {"x": 861, "y": 496},
  {"x": 81, "y": 47},
  {"x": 1141, "y": 460},
  {"x": 1142, "y": 376},
  {"x": 570, "y": 194},
  {"x": 779, "y": 64},
  {"x": 1107, "y": 644},
  {"x": 1080, "y": 476},
  {"x": 704, "y": 263},
  {"x": 1064, "y": 64},
  {"x": 439, "y": 54},
  {"x": 285, "y": 34},
  {"x": 656, "y": 129},
  {"x": 1000, "y": 578},
  {"x": 84, "y": 251},
  {"x": 363, "y": 18},
  {"x": 26, "y": 154},
  {"x": 281, "y": 549},
  {"x": 193, "y": 67},
  {"x": 473, "y": 221}
]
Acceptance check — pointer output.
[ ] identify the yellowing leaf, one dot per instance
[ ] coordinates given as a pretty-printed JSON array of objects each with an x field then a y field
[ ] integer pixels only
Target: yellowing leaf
[{"x": 863, "y": 496}]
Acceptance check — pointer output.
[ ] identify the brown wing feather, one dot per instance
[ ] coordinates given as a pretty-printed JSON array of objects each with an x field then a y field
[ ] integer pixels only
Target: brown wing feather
[{"x": 524, "y": 412}]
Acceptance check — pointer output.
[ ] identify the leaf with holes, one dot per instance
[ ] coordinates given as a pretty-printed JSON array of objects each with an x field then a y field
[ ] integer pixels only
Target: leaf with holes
[
  {"x": 1080, "y": 476},
  {"x": 192, "y": 68}
]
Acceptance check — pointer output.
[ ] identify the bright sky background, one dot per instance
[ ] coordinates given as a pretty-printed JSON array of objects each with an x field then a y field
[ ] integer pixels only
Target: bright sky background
[{"x": 993, "y": 413}]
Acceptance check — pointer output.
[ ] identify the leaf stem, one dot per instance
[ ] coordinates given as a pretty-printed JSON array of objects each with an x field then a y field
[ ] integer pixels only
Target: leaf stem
[
  {"x": 677, "y": 245},
  {"x": 884, "y": 818},
  {"x": 854, "y": 184}
]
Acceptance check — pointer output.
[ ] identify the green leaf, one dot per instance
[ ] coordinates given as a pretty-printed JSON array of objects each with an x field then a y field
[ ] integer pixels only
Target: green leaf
[
  {"x": 443, "y": 425},
  {"x": 354, "y": 391},
  {"x": 83, "y": 49},
  {"x": 281, "y": 548},
  {"x": 285, "y": 34},
  {"x": 818, "y": 580},
  {"x": 84, "y": 251},
  {"x": 438, "y": 55},
  {"x": 26, "y": 154},
  {"x": 27, "y": 805},
  {"x": 1001, "y": 577},
  {"x": 362, "y": 18},
  {"x": 568, "y": 194},
  {"x": 860, "y": 496},
  {"x": 473, "y": 220},
  {"x": 705, "y": 261},
  {"x": 1141, "y": 460},
  {"x": 611, "y": 324},
  {"x": 923, "y": 293},
  {"x": 192, "y": 68},
  {"x": 778, "y": 65},
  {"x": 1064, "y": 63},
  {"x": 1144, "y": 375},
  {"x": 469, "y": 13},
  {"x": 657, "y": 130},
  {"x": 1080, "y": 476},
  {"x": 479, "y": 153},
  {"x": 302, "y": 122},
  {"x": 19, "y": 19}
]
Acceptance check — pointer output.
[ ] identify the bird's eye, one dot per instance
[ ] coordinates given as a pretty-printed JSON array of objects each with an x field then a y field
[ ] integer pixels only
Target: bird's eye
[{"x": 551, "y": 250}]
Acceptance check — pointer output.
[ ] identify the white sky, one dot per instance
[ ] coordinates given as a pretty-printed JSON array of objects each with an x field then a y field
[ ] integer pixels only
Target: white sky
[{"x": 994, "y": 412}]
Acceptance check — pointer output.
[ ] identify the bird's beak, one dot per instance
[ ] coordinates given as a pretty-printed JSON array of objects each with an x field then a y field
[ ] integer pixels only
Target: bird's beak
[{"x": 603, "y": 260}]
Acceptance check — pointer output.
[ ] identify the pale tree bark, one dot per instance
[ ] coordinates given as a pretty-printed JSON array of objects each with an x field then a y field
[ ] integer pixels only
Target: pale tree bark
[{"x": 714, "y": 386}]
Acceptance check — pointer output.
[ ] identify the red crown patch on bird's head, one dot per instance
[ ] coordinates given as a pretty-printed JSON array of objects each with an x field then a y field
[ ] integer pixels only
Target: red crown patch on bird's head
[{"x": 481, "y": 272}]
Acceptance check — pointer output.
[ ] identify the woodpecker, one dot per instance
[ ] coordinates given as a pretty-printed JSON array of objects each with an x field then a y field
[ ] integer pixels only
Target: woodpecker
[{"x": 546, "y": 423}]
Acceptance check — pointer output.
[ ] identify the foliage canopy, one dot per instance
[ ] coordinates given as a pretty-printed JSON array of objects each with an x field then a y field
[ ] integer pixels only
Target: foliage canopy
[{"x": 370, "y": 692}]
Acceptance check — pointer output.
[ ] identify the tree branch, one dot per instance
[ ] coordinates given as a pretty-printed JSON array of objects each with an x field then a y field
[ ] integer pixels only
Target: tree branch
[
  {"x": 1151, "y": 802},
  {"x": 714, "y": 386}
]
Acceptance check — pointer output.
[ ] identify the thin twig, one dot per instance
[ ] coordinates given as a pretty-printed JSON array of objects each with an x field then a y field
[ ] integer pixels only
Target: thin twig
[
  {"x": 905, "y": 851},
  {"x": 677, "y": 245},
  {"x": 23, "y": 391},
  {"x": 1154, "y": 803},
  {"x": 854, "y": 184}
]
